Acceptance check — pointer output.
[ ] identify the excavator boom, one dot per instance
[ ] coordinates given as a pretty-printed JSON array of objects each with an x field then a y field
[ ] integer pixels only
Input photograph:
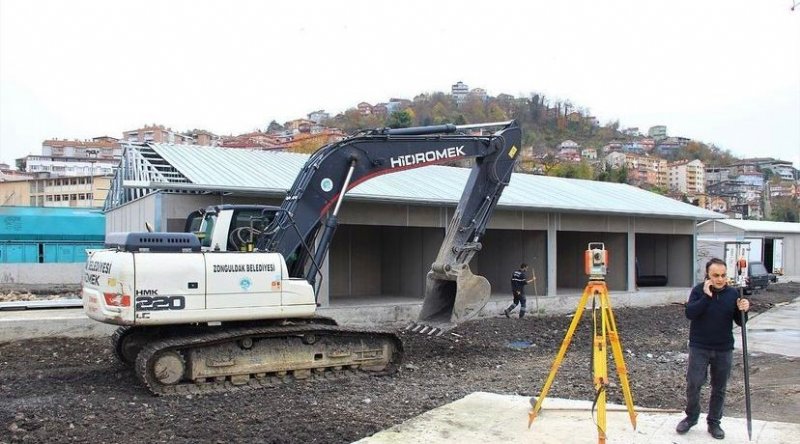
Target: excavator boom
[{"x": 308, "y": 215}]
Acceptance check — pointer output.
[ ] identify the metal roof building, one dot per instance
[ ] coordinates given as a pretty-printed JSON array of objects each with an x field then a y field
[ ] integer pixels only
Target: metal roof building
[
  {"x": 392, "y": 225},
  {"x": 775, "y": 244}
]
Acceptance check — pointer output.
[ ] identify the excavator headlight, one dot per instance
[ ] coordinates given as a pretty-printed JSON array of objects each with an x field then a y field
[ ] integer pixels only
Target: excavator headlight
[{"x": 117, "y": 300}]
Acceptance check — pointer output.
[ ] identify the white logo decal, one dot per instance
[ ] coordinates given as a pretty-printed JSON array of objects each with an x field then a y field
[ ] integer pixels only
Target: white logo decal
[{"x": 427, "y": 156}]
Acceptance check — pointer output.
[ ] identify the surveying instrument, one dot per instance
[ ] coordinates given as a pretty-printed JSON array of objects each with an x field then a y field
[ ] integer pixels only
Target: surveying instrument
[{"x": 595, "y": 264}]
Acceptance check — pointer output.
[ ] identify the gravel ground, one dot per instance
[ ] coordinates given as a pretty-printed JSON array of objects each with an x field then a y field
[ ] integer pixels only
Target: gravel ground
[{"x": 73, "y": 390}]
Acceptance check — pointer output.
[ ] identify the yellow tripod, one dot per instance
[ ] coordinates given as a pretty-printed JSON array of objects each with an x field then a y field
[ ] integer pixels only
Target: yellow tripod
[{"x": 603, "y": 333}]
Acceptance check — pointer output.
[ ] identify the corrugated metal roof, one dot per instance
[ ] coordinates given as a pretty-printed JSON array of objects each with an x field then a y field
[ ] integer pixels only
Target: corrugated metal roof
[
  {"x": 211, "y": 166},
  {"x": 233, "y": 166},
  {"x": 761, "y": 226}
]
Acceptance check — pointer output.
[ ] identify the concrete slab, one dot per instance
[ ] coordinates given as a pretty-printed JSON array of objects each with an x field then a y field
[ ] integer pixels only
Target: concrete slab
[
  {"x": 28, "y": 324},
  {"x": 776, "y": 331},
  {"x": 488, "y": 418}
]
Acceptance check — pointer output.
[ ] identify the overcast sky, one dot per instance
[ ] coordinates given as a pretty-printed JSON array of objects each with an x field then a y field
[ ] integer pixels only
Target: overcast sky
[{"x": 722, "y": 72}]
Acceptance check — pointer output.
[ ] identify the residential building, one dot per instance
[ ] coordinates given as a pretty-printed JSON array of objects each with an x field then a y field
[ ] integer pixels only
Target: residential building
[
  {"x": 716, "y": 174},
  {"x": 396, "y": 104},
  {"x": 781, "y": 168},
  {"x": 642, "y": 170},
  {"x": 299, "y": 125},
  {"x": 612, "y": 147},
  {"x": 318, "y": 117},
  {"x": 657, "y": 171},
  {"x": 104, "y": 147},
  {"x": 9, "y": 175},
  {"x": 574, "y": 117},
  {"x": 156, "y": 133},
  {"x": 67, "y": 166},
  {"x": 364, "y": 108},
  {"x": 717, "y": 204},
  {"x": 743, "y": 200},
  {"x": 380, "y": 109},
  {"x": 616, "y": 159},
  {"x": 478, "y": 94},
  {"x": 668, "y": 149},
  {"x": 459, "y": 91},
  {"x": 589, "y": 154},
  {"x": 203, "y": 138},
  {"x": 753, "y": 179},
  {"x": 657, "y": 132},
  {"x": 687, "y": 177},
  {"x": 568, "y": 144},
  {"x": 632, "y": 147},
  {"x": 784, "y": 188},
  {"x": 647, "y": 143},
  {"x": 78, "y": 191}
]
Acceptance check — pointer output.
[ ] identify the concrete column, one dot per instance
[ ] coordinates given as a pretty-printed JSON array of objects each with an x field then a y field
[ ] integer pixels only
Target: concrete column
[
  {"x": 157, "y": 209},
  {"x": 631, "y": 285},
  {"x": 552, "y": 250}
]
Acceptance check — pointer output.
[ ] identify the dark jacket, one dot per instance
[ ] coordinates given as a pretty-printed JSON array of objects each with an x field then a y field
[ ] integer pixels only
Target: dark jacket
[
  {"x": 712, "y": 318},
  {"x": 518, "y": 281}
]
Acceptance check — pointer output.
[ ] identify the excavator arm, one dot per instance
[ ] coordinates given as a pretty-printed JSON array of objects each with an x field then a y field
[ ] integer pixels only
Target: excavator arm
[{"x": 307, "y": 218}]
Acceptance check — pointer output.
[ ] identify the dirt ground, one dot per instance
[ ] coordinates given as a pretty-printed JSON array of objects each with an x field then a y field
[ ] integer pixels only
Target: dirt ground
[{"x": 73, "y": 390}]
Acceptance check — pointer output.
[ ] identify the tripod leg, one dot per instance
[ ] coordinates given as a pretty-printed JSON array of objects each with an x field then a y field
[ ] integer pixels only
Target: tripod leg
[
  {"x": 600, "y": 369},
  {"x": 559, "y": 357},
  {"x": 619, "y": 359}
]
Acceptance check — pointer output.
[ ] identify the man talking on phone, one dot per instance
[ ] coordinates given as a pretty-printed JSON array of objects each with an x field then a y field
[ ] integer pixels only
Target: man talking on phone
[{"x": 712, "y": 308}]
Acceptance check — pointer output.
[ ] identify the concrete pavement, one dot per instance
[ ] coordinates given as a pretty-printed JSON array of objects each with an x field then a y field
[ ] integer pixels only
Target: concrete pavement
[
  {"x": 776, "y": 331},
  {"x": 491, "y": 418}
]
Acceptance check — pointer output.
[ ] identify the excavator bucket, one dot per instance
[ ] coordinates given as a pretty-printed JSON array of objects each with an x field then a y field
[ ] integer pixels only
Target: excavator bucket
[{"x": 452, "y": 296}]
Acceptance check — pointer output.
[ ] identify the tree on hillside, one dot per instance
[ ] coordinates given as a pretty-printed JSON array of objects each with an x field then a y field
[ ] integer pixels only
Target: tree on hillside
[
  {"x": 400, "y": 119},
  {"x": 474, "y": 110},
  {"x": 619, "y": 175},
  {"x": 307, "y": 145},
  {"x": 274, "y": 127},
  {"x": 785, "y": 209},
  {"x": 349, "y": 121},
  {"x": 549, "y": 162},
  {"x": 581, "y": 170},
  {"x": 440, "y": 114},
  {"x": 496, "y": 114}
]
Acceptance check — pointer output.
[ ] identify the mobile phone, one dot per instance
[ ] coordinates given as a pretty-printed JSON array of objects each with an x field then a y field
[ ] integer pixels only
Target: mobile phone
[{"x": 715, "y": 289}]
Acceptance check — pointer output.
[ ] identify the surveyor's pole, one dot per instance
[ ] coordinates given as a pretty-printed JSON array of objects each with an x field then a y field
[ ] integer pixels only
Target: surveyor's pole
[{"x": 746, "y": 374}]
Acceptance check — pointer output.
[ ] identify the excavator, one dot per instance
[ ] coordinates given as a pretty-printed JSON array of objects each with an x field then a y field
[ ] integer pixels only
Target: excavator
[{"x": 231, "y": 303}]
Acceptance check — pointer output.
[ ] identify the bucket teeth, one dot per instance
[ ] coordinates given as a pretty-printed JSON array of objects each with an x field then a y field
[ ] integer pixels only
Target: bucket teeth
[{"x": 424, "y": 329}]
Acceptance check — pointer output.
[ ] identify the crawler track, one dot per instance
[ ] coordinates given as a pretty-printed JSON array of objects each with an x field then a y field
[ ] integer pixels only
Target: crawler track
[{"x": 246, "y": 358}]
